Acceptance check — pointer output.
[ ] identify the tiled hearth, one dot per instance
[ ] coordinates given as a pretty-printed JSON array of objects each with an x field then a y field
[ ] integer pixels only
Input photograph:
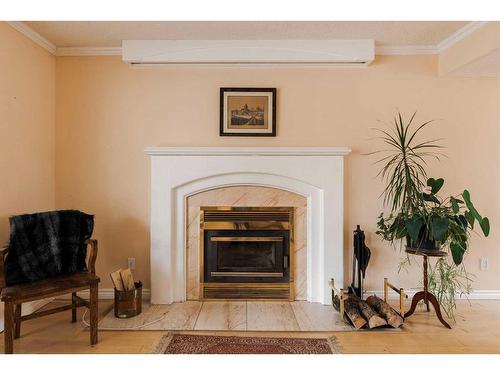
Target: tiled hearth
[{"x": 232, "y": 316}]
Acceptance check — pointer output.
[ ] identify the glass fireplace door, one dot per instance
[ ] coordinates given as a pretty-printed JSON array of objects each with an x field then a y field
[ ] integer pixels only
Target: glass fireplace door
[{"x": 246, "y": 256}]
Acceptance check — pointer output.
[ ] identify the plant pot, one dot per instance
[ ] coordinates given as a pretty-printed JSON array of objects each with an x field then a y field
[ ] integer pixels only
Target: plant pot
[{"x": 423, "y": 243}]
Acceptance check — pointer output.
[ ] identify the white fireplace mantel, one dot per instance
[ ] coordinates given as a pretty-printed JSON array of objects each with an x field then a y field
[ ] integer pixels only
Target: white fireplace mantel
[
  {"x": 178, "y": 172},
  {"x": 249, "y": 151}
]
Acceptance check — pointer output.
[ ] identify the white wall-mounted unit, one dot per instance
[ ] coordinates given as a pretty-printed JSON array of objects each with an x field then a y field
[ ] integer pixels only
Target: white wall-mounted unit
[{"x": 248, "y": 52}]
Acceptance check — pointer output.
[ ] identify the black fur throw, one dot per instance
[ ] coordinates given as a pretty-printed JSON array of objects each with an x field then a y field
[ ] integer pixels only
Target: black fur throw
[{"x": 47, "y": 244}]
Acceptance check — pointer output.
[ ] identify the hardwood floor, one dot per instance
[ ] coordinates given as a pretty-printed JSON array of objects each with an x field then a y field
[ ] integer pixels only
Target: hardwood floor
[{"x": 477, "y": 331}]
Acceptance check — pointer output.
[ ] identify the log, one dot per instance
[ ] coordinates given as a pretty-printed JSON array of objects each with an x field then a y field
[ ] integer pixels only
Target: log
[
  {"x": 385, "y": 310},
  {"x": 117, "y": 280},
  {"x": 127, "y": 279},
  {"x": 374, "y": 319},
  {"x": 351, "y": 309}
]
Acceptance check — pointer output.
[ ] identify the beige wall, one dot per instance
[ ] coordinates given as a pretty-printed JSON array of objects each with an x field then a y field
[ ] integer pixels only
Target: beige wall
[
  {"x": 107, "y": 113},
  {"x": 27, "y": 127}
]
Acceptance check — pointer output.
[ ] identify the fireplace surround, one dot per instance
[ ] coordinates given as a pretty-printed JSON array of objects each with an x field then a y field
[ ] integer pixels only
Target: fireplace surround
[
  {"x": 178, "y": 173},
  {"x": 245, "y": 196}
]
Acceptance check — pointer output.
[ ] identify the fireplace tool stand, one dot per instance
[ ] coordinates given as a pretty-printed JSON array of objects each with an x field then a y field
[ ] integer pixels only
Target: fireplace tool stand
[
  {"x": 361, "y": 258},
  {"x": 425, "y": 294}
]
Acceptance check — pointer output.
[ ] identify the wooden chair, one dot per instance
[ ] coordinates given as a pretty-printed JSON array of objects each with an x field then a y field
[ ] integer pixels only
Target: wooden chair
[{"x": 14, "y": 296}]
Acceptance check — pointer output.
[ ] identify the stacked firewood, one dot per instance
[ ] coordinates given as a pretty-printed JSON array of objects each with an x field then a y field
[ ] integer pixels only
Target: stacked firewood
[
  {"x": 123, "y": 280},
  {"x": 372, "y": 313}
]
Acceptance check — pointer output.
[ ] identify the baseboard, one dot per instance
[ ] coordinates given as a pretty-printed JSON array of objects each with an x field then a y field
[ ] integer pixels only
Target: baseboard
[
  {"x": 108, "y": 293},
  {"x": 104, "y": 293},
  {"x": 475, "y": 295}
]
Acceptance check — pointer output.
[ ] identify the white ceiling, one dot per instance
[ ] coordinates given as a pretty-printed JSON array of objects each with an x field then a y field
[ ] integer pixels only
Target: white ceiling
[{"x": 111, "y": 34}]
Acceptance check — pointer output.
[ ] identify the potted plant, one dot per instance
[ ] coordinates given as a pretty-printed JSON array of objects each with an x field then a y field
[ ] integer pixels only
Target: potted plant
[{"x": 421, "y": 218}]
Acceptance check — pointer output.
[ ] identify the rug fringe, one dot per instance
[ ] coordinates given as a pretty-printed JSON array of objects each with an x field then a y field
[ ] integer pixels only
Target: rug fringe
[
  {"x": 162, "y": 344},
  {"x": 334, "y": 344}
]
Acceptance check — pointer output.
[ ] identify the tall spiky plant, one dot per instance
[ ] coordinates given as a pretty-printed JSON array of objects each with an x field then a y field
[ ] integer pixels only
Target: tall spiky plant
[{"x": 404, "y": 162}]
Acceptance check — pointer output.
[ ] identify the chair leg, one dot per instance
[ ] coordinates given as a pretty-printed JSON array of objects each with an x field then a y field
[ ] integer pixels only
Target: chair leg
[
  {"x": 17, "y": 321},
  {"x": 73, "y": 307},
  {"x": 9, "y": 328},
  {"x": 93, "y": 313}
]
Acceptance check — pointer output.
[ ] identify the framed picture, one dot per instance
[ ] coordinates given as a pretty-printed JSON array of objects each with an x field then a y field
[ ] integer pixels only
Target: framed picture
[{"x": 248, "y": 112}]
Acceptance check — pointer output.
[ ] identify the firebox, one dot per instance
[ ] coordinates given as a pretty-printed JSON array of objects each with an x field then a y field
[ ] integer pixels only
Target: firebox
[{"x": 246, "y": 252}]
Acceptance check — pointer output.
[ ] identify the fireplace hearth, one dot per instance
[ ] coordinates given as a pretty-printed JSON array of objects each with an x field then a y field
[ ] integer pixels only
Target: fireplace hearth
[{"x": 246, "y": 252}]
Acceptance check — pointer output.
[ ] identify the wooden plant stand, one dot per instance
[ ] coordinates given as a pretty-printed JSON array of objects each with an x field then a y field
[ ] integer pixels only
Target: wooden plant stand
[{"x": 425, "y": 294}]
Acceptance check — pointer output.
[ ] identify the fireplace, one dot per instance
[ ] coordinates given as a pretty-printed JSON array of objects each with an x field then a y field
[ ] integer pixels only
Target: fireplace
[
  {"x": 246, "y": 252},
  {"x": 178, "y": 173}
]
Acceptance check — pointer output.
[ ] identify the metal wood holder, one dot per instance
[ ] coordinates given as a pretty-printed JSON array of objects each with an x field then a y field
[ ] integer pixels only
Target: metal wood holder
[
  {"x": 128, "y": 303},
  {"x": 400, "y": 291},
  {"x": 342, "y": 296}
]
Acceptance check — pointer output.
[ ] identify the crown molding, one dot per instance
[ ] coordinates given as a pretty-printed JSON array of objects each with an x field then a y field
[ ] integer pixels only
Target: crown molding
[
  {"x": 34, "y": 36},
  {"x": 460, "y": 34},
  {"x": 117, "y": 51},
  {"x": 457, "y": 36},
  {"x": 406, "y": 50},
  {"x": 89, "y": 51}
]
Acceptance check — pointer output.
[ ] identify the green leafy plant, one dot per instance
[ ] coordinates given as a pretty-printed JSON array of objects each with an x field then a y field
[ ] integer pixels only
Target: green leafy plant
[
  {"x": 436, "y": 223},
  {"x": 418, "y": 215},
  {"x": 446, "y": 280}
]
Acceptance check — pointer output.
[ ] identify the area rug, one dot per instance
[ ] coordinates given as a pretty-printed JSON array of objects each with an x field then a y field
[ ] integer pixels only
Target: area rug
[{"x": 208, "y": 344}]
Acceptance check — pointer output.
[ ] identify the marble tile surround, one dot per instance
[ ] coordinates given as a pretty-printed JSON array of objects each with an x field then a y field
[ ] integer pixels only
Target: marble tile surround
[{"x": 245, "y": 196}]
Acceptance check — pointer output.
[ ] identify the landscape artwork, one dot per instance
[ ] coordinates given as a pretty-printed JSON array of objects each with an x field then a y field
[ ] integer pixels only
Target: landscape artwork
[{"x": 248, "y": 112}]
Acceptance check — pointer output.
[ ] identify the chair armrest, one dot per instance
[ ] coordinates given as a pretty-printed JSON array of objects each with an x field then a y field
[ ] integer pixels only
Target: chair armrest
[
  {"x": 92, "y": 255},
  {"x": 3, "y": 253}
]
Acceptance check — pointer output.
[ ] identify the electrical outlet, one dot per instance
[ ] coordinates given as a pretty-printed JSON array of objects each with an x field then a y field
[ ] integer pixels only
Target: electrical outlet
[
  {"x": 484, "y": 264},
  {"x": 131, "y": 263}
]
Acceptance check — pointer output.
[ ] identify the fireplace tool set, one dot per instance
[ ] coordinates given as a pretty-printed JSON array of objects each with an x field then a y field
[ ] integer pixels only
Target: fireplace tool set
[{"x": 360, "y": 260}]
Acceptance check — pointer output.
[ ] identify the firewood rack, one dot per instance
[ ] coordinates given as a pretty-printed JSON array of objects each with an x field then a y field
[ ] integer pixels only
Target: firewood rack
[
  {"x": 400, "y": 291},
  {"x": 338, "y": 298},
  {"x": 339, "y": 295}
]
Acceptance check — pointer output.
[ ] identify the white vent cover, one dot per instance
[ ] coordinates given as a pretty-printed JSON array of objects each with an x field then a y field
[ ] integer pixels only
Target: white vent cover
[{"x": 248, "y": 52}]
